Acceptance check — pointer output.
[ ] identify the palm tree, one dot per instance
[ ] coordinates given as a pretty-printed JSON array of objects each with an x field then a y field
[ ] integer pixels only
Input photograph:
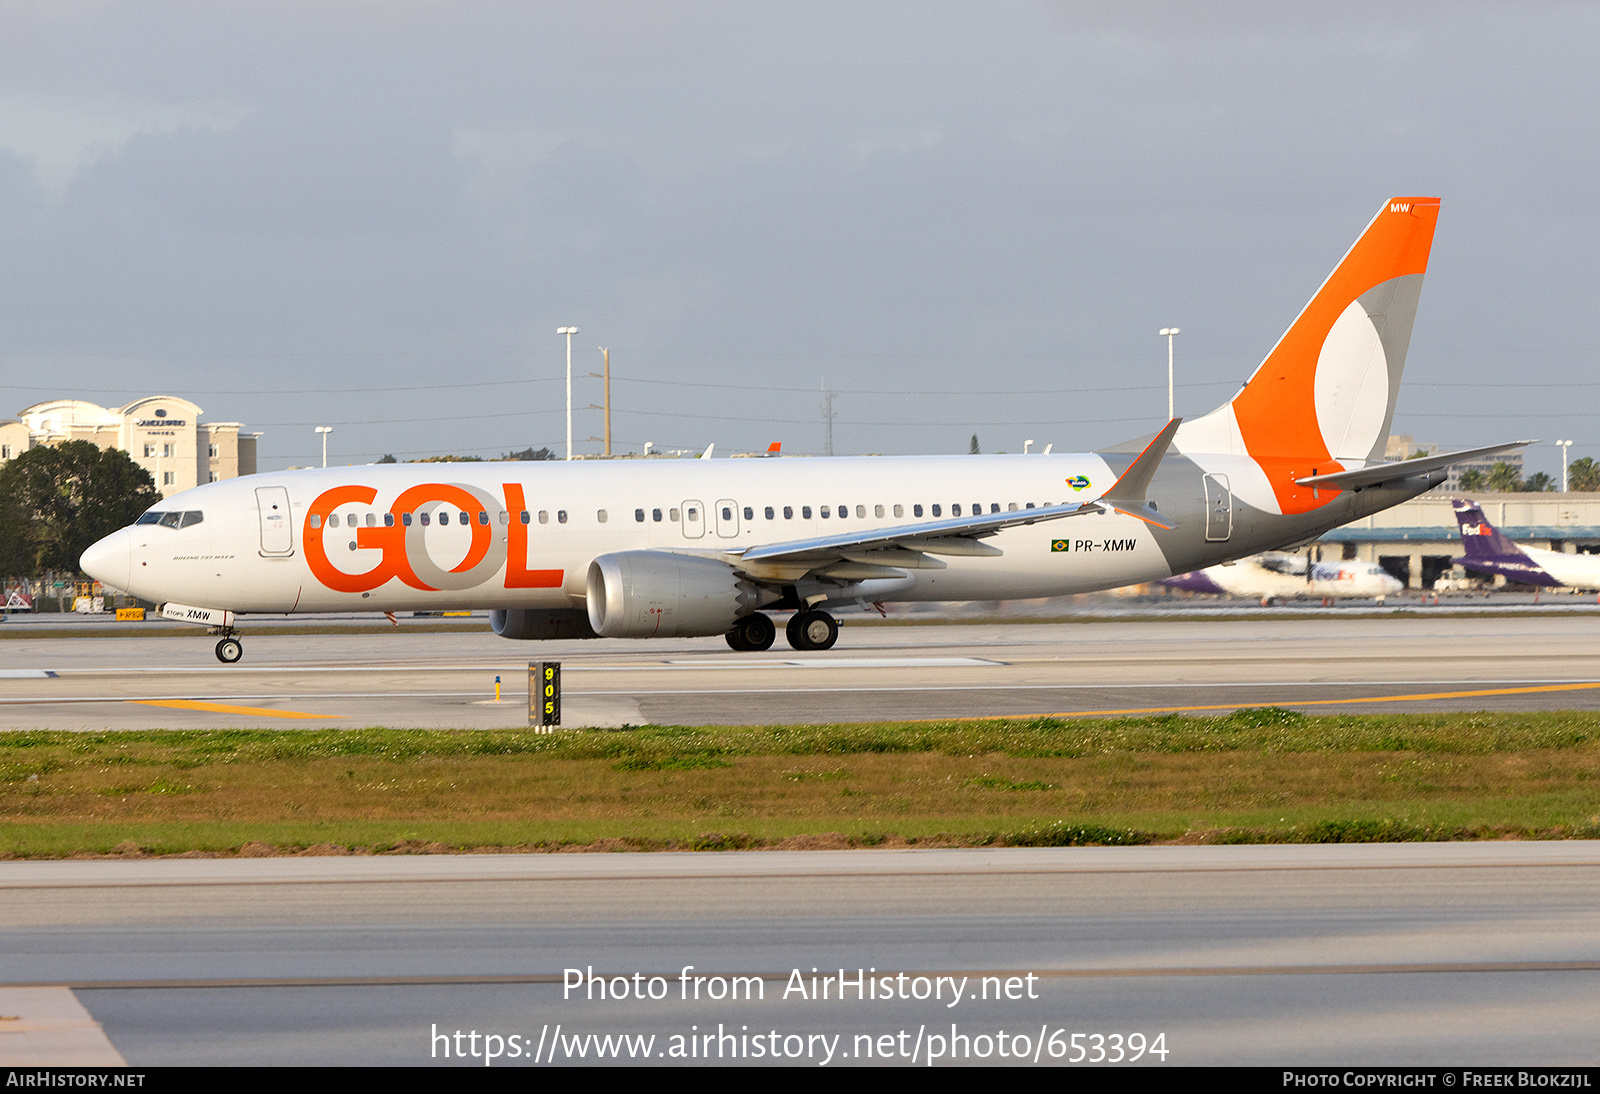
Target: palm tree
[
  {"x": 1539, "y": 483},
  {"x": 1474, "y": 479},
  {"x": 1504, "y": 478},
  {"x": 1584, "y": 475}
]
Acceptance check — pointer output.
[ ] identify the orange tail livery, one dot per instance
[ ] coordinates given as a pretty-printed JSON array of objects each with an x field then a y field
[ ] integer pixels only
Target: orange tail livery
[{"x": 1323, "y": 399}]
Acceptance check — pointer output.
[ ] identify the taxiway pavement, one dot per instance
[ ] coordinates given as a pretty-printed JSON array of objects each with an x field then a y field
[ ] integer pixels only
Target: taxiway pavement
[
  {"x": 1450, "y": 954},
  {"x": 1321, "y": 663}
]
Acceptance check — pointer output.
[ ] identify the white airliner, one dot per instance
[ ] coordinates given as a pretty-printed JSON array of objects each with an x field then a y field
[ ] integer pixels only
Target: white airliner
[
  {"x": 661, "y": 548},
  {"x": 1279, "y": 576}
]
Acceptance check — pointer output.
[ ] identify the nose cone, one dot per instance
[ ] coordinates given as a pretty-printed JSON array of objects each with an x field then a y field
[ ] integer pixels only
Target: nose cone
[{"x": 109, "y": 560}]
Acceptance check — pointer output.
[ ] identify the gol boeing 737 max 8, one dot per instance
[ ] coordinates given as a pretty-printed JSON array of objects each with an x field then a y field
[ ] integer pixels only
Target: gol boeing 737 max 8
[{"x": 661, "y": 548}]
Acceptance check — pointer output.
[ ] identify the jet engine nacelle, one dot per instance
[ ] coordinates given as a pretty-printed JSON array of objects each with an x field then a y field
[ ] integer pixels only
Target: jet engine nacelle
[
  {"x": 658, "y": 594},
  {"x": 542, "y": 623}
]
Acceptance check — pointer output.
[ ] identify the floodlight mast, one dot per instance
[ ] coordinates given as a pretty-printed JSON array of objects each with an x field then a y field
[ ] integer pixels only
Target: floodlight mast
[
  {"x": 1167, "y": 333},
  {"x": 569, "y": 332}
]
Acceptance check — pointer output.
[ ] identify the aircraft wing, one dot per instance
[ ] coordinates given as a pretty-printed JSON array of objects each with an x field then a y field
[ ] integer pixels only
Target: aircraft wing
[
  {"x": 1388, "y": 472},
  {"x": 908, "y": 545}
]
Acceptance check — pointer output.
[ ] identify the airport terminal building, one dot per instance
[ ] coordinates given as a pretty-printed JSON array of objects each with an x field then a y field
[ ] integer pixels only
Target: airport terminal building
[
  {"x": 1415, "y": 541},
  {"x": 163, "y": 434}
]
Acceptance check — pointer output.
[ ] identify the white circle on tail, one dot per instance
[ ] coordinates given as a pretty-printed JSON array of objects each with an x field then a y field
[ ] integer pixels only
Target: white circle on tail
[{"x": 1352, "y": 386}]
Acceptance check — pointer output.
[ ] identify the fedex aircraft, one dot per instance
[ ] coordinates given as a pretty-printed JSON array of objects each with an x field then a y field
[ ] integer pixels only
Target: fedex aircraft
[
  {"x": 663, "y": 548},
  {"x": 1490, "y": 552},
  {"x": 1275, "y": 575}
]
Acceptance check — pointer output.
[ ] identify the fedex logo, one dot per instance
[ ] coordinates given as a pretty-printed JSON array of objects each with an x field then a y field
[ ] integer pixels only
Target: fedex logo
[
  {"x": 1474, "y": 530},
  {"x": 402, "y": 541}
]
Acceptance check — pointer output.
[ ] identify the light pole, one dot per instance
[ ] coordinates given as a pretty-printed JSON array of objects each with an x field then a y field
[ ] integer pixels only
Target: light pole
[
  {"x": 569, "y": 332},
  {"x": 324, "y": 430},
  {"x": 1167, "y": 333},
  {"x": 1564, "y": 446}
]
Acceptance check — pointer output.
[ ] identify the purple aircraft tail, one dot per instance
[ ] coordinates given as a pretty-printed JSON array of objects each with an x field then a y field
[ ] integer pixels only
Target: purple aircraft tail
[{"x": 1490, "y": 552}]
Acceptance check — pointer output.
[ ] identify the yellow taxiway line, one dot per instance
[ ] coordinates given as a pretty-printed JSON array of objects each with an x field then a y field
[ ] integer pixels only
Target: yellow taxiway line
[
  {"x": 223, "y": 708},
  {"x": 1334, "y": 702}
]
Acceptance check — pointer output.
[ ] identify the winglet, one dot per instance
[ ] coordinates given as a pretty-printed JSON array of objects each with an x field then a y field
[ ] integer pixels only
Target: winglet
[{"x": 1126, "y": 495}]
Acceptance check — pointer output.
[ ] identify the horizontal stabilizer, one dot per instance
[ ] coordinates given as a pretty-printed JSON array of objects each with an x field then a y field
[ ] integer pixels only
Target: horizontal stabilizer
[{"x": 1404, "y": 469}]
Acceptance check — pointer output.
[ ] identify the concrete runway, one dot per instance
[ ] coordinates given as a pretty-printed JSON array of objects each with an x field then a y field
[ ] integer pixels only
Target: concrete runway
[
  {"x": 1447, "y": 954},
  {"x": 1321, "y": 663}
]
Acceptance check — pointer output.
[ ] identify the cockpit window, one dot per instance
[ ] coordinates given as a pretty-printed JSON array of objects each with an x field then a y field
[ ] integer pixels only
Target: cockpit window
[{"x": 172, "y": 518}]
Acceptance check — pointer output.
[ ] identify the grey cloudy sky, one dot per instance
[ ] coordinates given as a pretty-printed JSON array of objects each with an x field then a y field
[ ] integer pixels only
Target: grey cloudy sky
[{"x": 963, "y": 217}]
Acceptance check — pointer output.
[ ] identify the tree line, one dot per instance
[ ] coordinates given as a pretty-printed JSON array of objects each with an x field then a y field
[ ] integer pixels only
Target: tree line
[{"x": 1582, "y": 475}]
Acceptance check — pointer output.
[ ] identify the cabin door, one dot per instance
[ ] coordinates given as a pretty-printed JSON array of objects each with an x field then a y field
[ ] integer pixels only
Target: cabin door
[{"x": 1219, "y": 509}]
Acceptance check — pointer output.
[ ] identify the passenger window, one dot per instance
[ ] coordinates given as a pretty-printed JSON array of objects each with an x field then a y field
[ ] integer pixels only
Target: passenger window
[
  {"x": 955, "y": 510},
  {"x": 877, "y": 510},
  {"x": 505, "y": 517},
  {"x": 1011, "y": 507},
  {"x": 544, "y": 516},
  {"x": 524, "y": 516},
  {"x": 916, "y": 510},
  {"x": 805, "y": 512},
  {"x": 750, "y": 514},
  {"x": 424, "y": 517},
  {"x": 994, "y": 507},
  {"x": 899, "y": 510},
  {"x": 655, "y": 515},
  {"x": 465, "y": 519},
  {"x": 444, "y": 516},
  {"x": 405, "y": 519},
  {"x": 388, "y": 520},
  {"x": 1030, "y": 505},
  {"x": 861, "y": 511},
  {"x": 315, "y": 521},
  {"x": 333, "y": 520},
  {"x": 769, "y": 512},
  {"x": 638, "y": 515},
  {"x": 727, "y": 513},
  {"x": 936, "y": 511},
  {"x": 824, "y": 512},
  {"x": 788, "y": 512},
  {"x": 561, "y": 516},
  {"x": 600, "y": 515},
  {"x": 694, "y": 513},
  {"x": 673, "y": 513}
]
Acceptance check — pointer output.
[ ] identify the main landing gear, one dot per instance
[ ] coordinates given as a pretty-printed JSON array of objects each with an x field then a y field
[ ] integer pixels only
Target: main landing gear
[
  {"x": 752, "y": 634},
  {"x": 807, "y": 630},
  {"x": 812, "y": 630}
]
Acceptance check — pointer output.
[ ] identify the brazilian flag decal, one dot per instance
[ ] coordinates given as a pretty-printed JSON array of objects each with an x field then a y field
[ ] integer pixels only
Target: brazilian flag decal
[{"x": 1061, "y": 545}]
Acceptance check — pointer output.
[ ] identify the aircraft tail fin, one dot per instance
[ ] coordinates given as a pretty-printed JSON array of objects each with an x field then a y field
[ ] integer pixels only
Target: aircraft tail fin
[
  {"x": 1323, "y": 399},
  {"x": 1490, "y": 551},
  {"x": 1480, "y": 540}
]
